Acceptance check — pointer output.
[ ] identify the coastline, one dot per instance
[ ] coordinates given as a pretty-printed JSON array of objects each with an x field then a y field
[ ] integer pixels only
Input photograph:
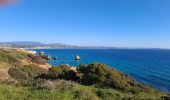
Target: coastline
[
  {"x": 31, "y": 70},
  {"x": 138, "y": 63},
  {"x": 125, "y": 48}
]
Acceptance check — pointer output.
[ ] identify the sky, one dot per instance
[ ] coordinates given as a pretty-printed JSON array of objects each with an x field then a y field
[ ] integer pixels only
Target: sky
[{"x": 116, "y": 23}]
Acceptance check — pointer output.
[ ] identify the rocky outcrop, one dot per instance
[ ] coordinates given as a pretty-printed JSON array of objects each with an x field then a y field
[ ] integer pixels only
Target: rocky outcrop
[
  {"x": 4, "y": 76},
  {"x": 26, "y": 51},
  {"x": 46, "y": 66}
]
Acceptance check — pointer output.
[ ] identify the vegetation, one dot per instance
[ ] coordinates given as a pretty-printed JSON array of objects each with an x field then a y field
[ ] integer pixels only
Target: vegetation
[
  {"x": 90, "y": 82},
  {"x": 65, "y": 90},
  {"x": 37, "y": 59},
  {"x": 8, "y": 59},
  {"x": 26, "y": 75},
  {"x": 103, "y": 76},
  {"x": 11, "y": 57},
  {"x": 63, "y": 72}
]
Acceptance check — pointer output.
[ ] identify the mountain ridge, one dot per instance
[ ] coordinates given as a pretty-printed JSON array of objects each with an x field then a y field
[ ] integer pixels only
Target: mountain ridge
[
  {"x": 33, "y": 44},
  {"x": 30, "y": 44}
]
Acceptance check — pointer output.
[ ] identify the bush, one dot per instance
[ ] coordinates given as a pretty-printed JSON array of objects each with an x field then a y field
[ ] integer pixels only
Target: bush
[
  {"x": 27, "y": 74},
  {"x": 103, "y": 76},
  {"x": 8, "y": 58},
  {"x": 53, "y": 84},
  {"x": 31, "y": 56},
  {"x": 93, "y": 73},
  {"x": 85, "y": 95},
  {"x": 17, "y": 73},
  {"x": 11, "y": 57},
  {"x": 63, "y": 72},
  {"x": 33, "y": 70},
  {"x": 38, "y": 60}
]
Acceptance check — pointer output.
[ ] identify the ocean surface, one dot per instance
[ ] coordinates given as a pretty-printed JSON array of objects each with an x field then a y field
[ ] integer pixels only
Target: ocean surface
[{"x": 151, "y": 66}]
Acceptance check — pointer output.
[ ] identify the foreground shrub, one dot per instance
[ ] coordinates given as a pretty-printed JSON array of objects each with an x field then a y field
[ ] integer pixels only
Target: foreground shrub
[
  {"x": 26, "y": 75},
  {"x": 38, "y": 60},
  {"x": 81, "y": 94},
  {"x": 33, "y": 70},
  {"x": 103, "y": 76},
  {"x": 63, "y": 72},
  {"x": 54, "y": 84},
  {"x": 8, "y": 57},
  {"x": 11, "y": 57}
]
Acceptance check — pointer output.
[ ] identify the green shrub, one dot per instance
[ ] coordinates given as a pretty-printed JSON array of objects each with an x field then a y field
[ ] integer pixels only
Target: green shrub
[
  {"x": 33, "y": 70},
  {"x": 54, "y": 84},
  {"x": 63, "y": 72},
  {"x": 85, "y": 95},
  {"x": 31, "y": 56},
  {"x": 38, "y": 60},
  {"x": 8, "y": 58},
  {"x": 17, "y": 73},
  {"x": 27, "y": 74},
  {"x": 103, "y": 76},
  {"x": 11, "y": 57}
]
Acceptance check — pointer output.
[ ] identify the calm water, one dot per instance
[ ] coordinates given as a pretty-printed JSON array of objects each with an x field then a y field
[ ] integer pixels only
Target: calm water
[{"x": 145, "y": 65}]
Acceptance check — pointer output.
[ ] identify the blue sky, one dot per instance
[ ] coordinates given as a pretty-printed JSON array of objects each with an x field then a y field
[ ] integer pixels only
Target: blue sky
[{"x": 117, "y": 23}]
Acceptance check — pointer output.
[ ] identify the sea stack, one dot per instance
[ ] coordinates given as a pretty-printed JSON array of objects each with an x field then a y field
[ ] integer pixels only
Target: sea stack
[{"x": 77, "y": 57}]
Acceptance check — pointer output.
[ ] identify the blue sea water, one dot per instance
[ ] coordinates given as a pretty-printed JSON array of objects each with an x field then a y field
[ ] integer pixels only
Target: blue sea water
[{"x": 151, "y": 66}]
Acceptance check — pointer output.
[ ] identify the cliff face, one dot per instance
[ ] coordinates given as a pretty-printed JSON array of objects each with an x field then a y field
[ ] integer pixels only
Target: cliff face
[{"x": 4, "y": 67}]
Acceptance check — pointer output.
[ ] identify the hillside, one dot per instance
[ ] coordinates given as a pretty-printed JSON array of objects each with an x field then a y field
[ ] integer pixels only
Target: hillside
[
  {"x": 32, "y": 44},
  {"x": 24, "y": 76},
  {"x": 15, "y": 58}
]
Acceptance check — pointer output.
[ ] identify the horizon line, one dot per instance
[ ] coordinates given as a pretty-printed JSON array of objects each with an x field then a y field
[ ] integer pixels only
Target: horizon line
[{"x": 92, "y": 46}]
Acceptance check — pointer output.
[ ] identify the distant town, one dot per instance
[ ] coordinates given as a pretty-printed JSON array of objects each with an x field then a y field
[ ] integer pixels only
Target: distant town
[
  {"x": 34, "y": 45},
  {"x": 39, "y": 45}
]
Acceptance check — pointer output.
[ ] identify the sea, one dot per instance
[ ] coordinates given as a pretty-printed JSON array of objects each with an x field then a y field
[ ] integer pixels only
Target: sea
[{"x": 150, "y": 66}]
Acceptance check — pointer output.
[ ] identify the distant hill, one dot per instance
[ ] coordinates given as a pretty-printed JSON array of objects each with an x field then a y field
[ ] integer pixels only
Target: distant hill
[
  {"x": 23, "y": 43},
  {"x": 32, "y": 44}
]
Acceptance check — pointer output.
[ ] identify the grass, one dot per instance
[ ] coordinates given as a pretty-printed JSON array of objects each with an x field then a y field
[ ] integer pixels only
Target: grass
[
  {"x": 77, "y": 92},
  {"x": 26, "y": 93},
  {"x": 65, "y": 90}
]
